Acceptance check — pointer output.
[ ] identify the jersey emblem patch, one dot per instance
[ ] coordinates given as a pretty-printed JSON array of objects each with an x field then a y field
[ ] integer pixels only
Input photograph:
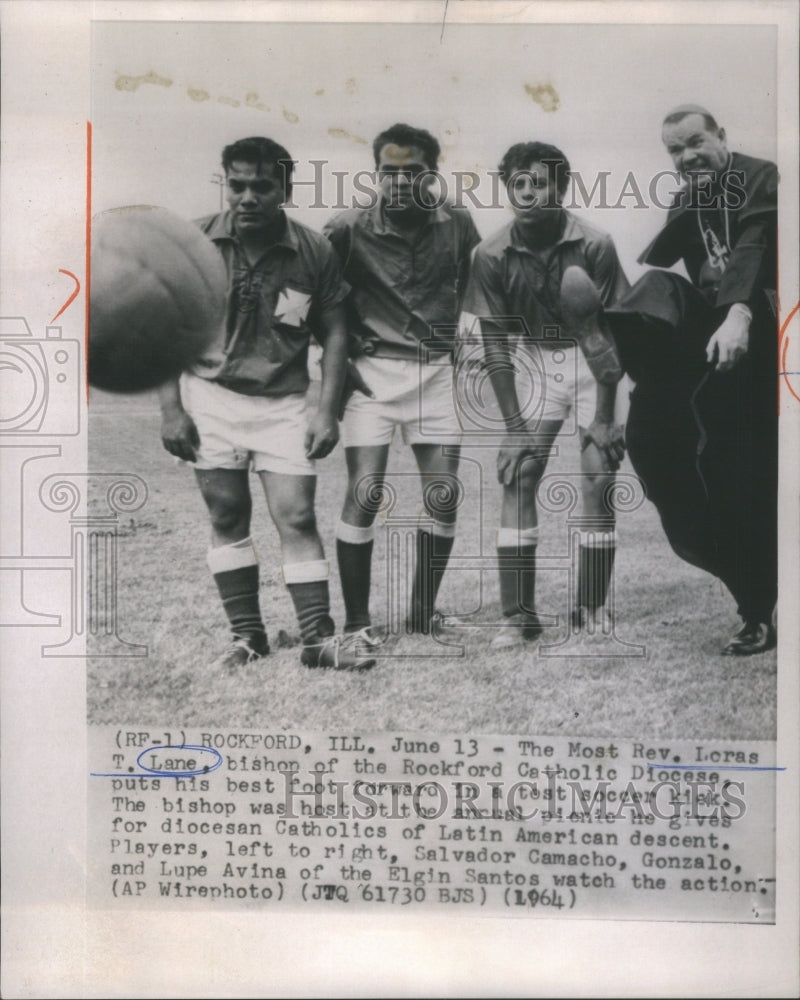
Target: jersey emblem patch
[{"x": 292, "y": 307}]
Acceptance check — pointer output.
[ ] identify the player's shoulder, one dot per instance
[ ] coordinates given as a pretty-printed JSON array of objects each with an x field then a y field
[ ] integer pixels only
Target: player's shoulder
[
  {"x": 304, "y": 234},
  {"x": 493, "y": 247},
  {"x": 459, "y": 213},
  {"x": 314, "y": 248},
  {"x": 594, "y": 236},
  {"x": 215, "y": 225},
  {"x": 348, "y": 219},
  {"x": 460, "y": 217}
]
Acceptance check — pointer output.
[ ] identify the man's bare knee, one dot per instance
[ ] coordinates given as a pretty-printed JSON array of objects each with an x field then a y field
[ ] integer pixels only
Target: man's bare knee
[
  {"x": 229, "y": 506},
  {"x": 296, "y": 521},
  {"x": 442, "y": 496},
  {"x": 366, "y": 495},
  {"x": 531, "y": 469}
]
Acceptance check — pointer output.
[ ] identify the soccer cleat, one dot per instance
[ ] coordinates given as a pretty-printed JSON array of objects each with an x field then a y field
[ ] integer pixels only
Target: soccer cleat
[
  {"x": 370, "y": 636},
  {"x": 591, "y": 620},
  {"x": 753, "y": 637},
  {"x": 581, "y": 312},
  {"x": 239, "y": 654},
  {"x": 335, "y": 653},
  {"x": 439, "y": 623},
  {"x": 516, "y": 631}
]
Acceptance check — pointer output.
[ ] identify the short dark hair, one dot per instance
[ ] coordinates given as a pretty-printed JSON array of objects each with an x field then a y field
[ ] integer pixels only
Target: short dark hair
[
  {"x": 406, "y": 135},
  {"x": 678, "y": 116},
  {"x": 523, "y": 154},
  {"x": 261, "y": 152}
]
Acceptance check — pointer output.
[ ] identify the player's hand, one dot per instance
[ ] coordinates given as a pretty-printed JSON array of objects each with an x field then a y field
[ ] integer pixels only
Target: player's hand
[
  {"x": 730, "y": 341},
  {"x": 609, "y": 439},
  {"x": 512, "y": 450},
  {"x": 179, "y": 435},
  {"x": 321, "y": 436},
  {"x": 353, "y": 382}
]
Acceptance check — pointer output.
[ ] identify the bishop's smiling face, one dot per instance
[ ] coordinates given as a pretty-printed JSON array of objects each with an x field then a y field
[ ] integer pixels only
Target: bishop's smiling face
[{"x": 699, "y": 153}]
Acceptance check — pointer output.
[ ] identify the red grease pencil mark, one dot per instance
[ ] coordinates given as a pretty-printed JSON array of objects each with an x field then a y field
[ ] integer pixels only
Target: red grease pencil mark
[
  {"x": 88, "y": 248},
  {"x": 72, "y": 297},
  {"x": 781, "y": 333}
]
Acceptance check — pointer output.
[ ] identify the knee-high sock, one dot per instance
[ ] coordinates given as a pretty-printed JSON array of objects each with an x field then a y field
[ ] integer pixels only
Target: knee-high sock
[
  {"x": 354, "y": 553},
  {"x": 235, "y": 571},
  {"x": 516, "y": 561},
  {"x": 595, "y": 566},
  {"x": 307, "y": 583},
  {"x": 433, "y": 548}
]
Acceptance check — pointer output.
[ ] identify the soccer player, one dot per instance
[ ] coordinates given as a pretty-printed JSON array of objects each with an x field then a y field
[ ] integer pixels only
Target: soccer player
[
  {"x": 536, "y": 288},
  {"x": 406, "y": 262},
  {"x": 243, "y": 406},
  {"x": 703, "y": 424}
]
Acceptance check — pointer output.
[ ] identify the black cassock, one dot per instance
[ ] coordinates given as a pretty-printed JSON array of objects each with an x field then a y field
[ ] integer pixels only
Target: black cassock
[{"x": 705, "y": 443}]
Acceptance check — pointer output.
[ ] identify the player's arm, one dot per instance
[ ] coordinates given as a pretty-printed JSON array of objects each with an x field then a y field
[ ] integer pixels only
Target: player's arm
[
  {"x": 611, "y": 282},
  {"x": 468, "y": 239},
  {"x": 518, "y": 441},
  {"x": 338, "y": 234},
  {"x": 607, "y": 436},
  {"x": 178, "y": 431},
  {"x": 323, "y": 428},
  {"x": 484, "y": 309},
  {"x": 485, "y": 300}
]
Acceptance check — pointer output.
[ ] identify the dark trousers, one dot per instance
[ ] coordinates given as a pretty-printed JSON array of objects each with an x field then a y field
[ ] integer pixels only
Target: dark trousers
[{"x": 703, "y": 442}]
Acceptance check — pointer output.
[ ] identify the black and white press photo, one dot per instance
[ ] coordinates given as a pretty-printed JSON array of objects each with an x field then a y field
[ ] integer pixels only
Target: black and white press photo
[
  {"x": 507, "y": 535},
  {"x": 399, "y": 549}
]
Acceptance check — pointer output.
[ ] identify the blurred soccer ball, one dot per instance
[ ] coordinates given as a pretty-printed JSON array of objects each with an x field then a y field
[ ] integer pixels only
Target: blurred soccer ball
[{"x": 157, "y": 300}]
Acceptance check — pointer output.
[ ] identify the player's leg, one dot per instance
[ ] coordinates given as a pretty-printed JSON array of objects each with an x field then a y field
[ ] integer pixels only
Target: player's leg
[
  {"x": 305, "y": 570},
  {"x": 430, "y": 425},
  {"x": 221, "y": 471},
  {"x": 597, "y": 540},
  {"x": 441, "y": 494},
  {"x": 355, "y": 533},
  {"x": 233, "y": 561},
  {"x": 517, "y": 541},
  {"x": 597, "y": 543},
  {"x": 367, "y": 428}
]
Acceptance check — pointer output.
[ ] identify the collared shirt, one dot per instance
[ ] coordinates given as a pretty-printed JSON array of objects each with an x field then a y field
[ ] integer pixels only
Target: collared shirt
[
  {"x": 406, "y": 287},
  {"x": 516, "y": 289},
  {"x": 273, "y": 309}
]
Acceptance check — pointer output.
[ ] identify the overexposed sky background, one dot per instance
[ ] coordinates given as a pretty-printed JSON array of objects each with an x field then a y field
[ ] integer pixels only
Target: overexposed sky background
[{"x": 167, "y": 96}]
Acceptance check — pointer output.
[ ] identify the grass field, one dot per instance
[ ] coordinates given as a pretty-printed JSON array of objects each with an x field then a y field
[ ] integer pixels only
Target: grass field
[{"x": 681, "y": 687}]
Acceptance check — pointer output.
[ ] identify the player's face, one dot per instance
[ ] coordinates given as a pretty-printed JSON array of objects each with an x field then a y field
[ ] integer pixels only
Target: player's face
[
  {"x": 255, "y": 195},
  {"x": 533, "y": 194},
  {"x": 398, "y": 168},
  {"x": 698, "y": 152}
]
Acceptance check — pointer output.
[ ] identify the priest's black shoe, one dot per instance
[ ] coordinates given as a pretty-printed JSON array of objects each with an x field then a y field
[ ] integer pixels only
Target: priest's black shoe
[{"x": 753, "y": 637}]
